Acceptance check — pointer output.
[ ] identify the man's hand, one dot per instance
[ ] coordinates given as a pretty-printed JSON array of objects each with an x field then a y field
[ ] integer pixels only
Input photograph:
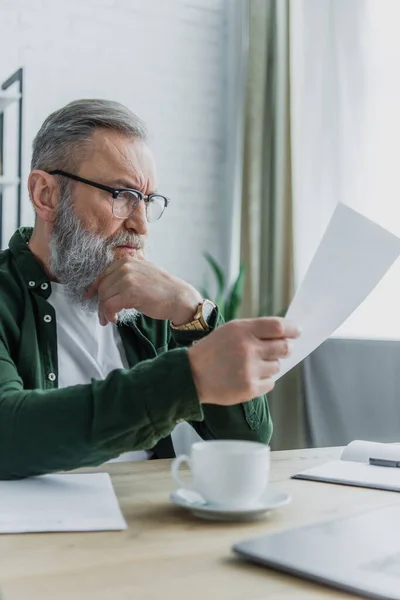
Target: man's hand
[
  {"x": 235, "y": 363},
  {"x": 137, "y": 283}
]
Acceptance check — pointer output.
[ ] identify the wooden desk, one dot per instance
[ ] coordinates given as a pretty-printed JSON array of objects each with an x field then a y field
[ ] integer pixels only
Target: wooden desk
[{"x": 168, "y": 554}]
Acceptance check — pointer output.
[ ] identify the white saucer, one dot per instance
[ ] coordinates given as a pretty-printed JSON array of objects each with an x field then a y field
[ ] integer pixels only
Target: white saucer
[{"x": 204, "y": 510}]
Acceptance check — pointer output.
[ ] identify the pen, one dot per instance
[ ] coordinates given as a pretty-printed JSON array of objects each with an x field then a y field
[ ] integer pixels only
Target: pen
[{"x": 382, "y": 462}]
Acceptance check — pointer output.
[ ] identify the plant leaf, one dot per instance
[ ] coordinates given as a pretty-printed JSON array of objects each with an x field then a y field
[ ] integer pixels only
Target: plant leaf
[
  {"x": 221, "y": 305},
  {"x": 204, "y": 290},
  {"x": 235, "y": 296},
  {"x": 218, "y": 272}
]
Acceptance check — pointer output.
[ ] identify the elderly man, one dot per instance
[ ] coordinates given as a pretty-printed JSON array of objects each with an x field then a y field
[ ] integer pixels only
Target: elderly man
[{"x": 97, "y": 353}]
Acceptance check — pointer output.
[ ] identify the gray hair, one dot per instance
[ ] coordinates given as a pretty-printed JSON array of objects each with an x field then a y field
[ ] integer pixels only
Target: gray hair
[{"x": 64, "y": 135}]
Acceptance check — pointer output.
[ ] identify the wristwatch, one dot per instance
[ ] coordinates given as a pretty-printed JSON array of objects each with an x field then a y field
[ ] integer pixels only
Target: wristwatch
[{"x": 201, "y": 319}]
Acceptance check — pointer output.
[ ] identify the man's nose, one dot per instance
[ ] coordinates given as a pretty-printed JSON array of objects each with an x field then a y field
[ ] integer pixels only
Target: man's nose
[{"x": 137, "y": 222}]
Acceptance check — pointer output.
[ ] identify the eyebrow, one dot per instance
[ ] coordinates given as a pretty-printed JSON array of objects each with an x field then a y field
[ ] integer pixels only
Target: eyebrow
[{"x": 120, "y": 183}]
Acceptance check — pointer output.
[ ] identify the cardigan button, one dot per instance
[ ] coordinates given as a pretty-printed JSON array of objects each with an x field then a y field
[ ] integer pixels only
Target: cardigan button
[
  {"x": 47, "y": 318},
  {"x": 51, "y": 377},
  {"x": 31, "y": 284},
  {"x": 44, "y": 286}
]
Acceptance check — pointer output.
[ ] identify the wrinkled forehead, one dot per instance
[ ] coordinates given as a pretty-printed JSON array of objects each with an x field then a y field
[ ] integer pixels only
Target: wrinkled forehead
[{"x": 120, "y": 161}]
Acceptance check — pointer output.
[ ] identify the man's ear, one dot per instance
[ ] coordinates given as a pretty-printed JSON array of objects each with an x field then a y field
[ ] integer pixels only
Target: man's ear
[{"x": 44, "y": 193}]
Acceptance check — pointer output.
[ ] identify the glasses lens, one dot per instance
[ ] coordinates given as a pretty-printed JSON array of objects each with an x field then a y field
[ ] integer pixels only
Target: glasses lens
[
  {"x": 124, "y": 204},
  {"x": 155, "y": 208}
]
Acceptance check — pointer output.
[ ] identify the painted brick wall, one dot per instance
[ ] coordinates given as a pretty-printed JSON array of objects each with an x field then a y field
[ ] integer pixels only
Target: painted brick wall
[{"x": 166, "y": 60}]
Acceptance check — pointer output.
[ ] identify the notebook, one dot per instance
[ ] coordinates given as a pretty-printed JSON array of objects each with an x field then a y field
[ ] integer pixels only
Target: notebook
[
  {"x": 358, "y": 553},
  {"x": 84, "y": 502},
  {"x": 354, "y": 467}
]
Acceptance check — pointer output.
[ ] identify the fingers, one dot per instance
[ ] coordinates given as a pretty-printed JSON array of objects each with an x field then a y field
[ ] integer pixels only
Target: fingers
[
  {"x": 265, "y": 386},
  {"x": 268, "y": 368},
  {"x": 110, "y": 299},
  {"x": 268, "y": 365},
  {"x": 102, "y": 319},
  {"x": 270, "y": 353},
  {"x": 109, "y": 309},
  {"x": 92, "y": 289},
  {"x": 241, "y": 359},
  {"x": 264, "y": 382},
  {"x": 258, "y": 388},
  {"x": 274, "y": 349},
  {"x": 109, "y": 287},
  {"x": 267, "y": 328},
  {"x": 114, "y": 271}
]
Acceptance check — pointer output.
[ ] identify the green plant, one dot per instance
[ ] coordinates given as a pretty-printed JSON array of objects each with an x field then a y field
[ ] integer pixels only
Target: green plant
[{"x": 228, "y": 298}]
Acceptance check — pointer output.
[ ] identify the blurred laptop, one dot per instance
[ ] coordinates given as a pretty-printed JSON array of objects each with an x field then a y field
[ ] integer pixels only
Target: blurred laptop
[{"x": 358, "y": 553}]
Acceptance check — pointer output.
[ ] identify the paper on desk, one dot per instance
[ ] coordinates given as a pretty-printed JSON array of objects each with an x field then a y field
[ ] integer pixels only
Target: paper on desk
[
  {"x": 353, "y": 256},
  {"x": 84, "y": 502}
]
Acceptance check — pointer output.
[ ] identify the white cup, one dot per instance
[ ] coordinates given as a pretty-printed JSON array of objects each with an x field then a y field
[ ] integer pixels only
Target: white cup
[{"x": 226, "y": 472}]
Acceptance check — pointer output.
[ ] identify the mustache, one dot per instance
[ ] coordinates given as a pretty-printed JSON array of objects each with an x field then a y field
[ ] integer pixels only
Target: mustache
[{"x": 127, "y": 239}]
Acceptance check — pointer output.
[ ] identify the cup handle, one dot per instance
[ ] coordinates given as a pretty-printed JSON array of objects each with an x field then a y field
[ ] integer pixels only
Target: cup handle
[{"x": 176, "y": 463}]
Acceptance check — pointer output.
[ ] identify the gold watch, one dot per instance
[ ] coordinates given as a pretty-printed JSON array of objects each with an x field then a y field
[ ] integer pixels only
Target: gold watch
[{"x": 200, "y": 321}]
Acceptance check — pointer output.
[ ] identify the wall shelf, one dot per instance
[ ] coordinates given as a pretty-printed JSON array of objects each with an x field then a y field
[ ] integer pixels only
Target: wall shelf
[
  {"x": 11, "y": 92},
  {"x": 6, "y": 99},
  {"x": 7, "y": 182}
]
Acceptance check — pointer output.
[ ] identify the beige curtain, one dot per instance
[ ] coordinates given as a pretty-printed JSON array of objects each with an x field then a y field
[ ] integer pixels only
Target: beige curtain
[{"x": 266, "y": 225}]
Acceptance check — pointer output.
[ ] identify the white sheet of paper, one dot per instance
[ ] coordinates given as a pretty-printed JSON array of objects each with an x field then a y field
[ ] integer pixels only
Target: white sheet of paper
[
  {"x": 353, "y": 256},
  {"x": 84, "y": 502}
]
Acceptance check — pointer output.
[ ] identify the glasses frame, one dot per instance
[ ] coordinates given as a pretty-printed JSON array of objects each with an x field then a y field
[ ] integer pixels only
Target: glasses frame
[{"x": 115, "y": 192}]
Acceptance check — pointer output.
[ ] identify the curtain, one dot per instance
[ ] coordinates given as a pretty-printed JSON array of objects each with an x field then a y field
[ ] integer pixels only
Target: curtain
[
  {"x": 266, "y": 224},
  {"x": 328, "y": 122}
]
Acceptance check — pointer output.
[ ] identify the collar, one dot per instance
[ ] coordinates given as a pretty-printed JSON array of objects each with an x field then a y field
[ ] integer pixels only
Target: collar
[{"x": 33, "y": 273}]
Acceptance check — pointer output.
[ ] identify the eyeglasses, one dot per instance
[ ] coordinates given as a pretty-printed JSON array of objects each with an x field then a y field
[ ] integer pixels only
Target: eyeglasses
[{"x": 126, "y": 200}]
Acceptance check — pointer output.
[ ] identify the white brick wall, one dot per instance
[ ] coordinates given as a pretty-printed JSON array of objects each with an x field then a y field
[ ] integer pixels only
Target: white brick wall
[{"x": 169, "y": 62}]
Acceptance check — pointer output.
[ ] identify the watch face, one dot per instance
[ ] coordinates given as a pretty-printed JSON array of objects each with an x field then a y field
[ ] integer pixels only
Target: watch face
[{"x": 208, "y": 308}]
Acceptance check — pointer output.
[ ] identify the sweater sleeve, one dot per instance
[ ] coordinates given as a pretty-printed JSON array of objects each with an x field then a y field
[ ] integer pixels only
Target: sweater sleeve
[{"x": 42, "y": 431}]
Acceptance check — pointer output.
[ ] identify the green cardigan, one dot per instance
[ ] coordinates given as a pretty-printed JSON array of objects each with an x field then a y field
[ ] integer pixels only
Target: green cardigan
[{"x": 45, "y": 429}]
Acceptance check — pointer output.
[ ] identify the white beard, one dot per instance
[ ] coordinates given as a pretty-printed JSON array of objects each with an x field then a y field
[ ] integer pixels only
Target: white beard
[{"x": 78, "y": 257}]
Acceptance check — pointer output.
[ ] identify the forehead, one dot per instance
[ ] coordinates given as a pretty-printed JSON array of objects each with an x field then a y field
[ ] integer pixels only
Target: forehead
[{"x": 115, "y": 159}]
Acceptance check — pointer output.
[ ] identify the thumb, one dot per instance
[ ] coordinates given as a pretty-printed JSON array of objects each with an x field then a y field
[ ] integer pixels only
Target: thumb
[{"x": 92, "y": 289}]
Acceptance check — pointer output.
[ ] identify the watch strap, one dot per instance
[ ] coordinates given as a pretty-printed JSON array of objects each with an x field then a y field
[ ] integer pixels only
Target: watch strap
[{"x": 198, "y": 323}]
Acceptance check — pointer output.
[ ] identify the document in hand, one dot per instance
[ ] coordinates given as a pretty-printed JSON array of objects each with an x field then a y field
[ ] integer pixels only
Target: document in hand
[
  {"x": 354, "y": 467},
  {"x": 84, "y": 502},
  {"x": 353, "y": 256}
]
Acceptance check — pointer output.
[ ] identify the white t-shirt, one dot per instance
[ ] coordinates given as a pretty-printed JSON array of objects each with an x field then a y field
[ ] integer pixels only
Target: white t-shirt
[{"x": 86, "y": 350}]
